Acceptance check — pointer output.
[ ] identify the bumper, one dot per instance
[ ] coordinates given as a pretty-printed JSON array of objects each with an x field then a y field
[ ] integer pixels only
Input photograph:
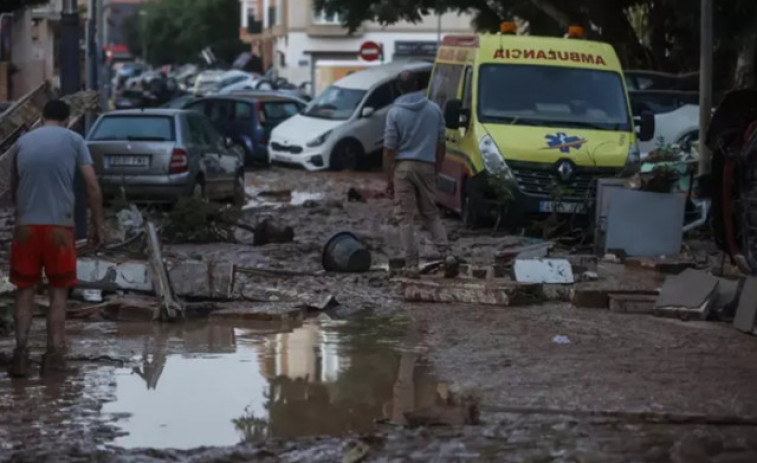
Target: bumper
[
  {"x": 309, "y": 159},
  {"x": 522, "y": 204},
  {"x": 152, "y": 188}
]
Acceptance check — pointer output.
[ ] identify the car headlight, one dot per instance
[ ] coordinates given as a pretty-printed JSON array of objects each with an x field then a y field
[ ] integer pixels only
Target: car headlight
[
  {"x": 633, "y": 161},
  {"x": 319, "y": 140},
  {"x": 493, "y": 160}
]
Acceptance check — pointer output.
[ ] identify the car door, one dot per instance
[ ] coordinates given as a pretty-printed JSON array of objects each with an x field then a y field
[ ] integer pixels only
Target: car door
[
  {"x": 370, "y": 129},
  {"x": 209, "y": 155},
  {"x": 227, "y": 161}
]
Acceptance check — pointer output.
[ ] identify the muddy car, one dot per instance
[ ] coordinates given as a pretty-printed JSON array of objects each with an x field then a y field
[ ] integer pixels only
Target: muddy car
[{"x": 160, "y": 155}]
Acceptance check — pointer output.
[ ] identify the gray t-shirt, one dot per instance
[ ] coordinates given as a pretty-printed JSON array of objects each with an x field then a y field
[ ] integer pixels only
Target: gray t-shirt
[{"x": 46, "y": 160}]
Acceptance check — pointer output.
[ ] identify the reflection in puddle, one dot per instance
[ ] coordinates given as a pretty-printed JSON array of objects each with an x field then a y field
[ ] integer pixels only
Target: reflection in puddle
[{"x": 230, "y": 384}]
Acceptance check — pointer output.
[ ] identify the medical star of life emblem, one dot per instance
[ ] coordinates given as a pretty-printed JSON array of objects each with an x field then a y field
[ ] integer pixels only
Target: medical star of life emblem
[{"x": 563, "y": 142}]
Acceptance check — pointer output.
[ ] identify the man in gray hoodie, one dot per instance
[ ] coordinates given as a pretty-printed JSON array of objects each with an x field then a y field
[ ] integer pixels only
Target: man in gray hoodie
[{"x": 413, "y": 153}]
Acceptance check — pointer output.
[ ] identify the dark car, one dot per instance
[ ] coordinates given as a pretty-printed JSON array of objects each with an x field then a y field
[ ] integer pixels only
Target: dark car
[
  {"x": 248, "y": 121},
  {"x": 654, "y": 80}
]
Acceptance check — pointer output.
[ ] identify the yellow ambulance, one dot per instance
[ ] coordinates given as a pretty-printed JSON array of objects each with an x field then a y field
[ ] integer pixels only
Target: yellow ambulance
[{"x": 543, "y": 117}]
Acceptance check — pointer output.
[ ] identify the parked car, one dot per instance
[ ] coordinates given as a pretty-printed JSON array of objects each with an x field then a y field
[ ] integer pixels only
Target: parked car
[
  {"x": 161, "y": 155},
  {"x": 344, "y": 125},
  {"x": 654, "y": 80},
  {"x": 248, "y": 120},
  {"x": 233, "y": 81},
  {"x": 205, "y": 81},
  {"x": 676, "y": 117},
  {"x": 180, "y": 102}
]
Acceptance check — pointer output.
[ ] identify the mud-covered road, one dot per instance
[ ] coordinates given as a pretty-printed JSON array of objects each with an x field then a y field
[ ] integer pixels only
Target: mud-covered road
[{"x": 359, "y": 382}]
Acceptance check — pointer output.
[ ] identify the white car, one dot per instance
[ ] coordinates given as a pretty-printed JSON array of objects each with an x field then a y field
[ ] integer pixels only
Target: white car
[
  {"x": 344, "y": 125},
  {"x": 235, "y": 81},
  {"x": 206, "y": 80},
  {"x": 676, "y": 118}
]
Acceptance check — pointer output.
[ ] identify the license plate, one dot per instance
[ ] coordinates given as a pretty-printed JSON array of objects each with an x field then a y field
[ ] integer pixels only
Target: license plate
[
  {"x": 129, "y": 161},
  {"x": 561, "y": 207}
]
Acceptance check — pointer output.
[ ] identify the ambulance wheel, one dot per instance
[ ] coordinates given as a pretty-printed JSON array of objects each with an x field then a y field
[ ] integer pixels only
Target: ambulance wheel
[{"x": 470, "y": 206}]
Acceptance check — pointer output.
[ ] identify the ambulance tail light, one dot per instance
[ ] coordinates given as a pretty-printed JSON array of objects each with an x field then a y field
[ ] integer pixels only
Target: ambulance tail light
[
  {"x": 508, "y": 28},
  {"x": 576, "y": 32}
]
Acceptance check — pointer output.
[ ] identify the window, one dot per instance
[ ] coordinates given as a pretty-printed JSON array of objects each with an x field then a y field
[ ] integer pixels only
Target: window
[
  {"x": 381, "y": 97},
  {"x": 445, "y": 83},
  {"x": 220, "y": 111},
  {"x": 335, "y": 103},
  {"x": 196, "y": 130},
  {"x": 242, "y": 111},
  {"x": 468, "y": 89},
  {"x": 552, "y": 96},
  {"x": 137, "y": 128},
  {"x": 322, "y": 18},
  {"x": 278, "y": 111},
  {"x": 211, "y": 134}
]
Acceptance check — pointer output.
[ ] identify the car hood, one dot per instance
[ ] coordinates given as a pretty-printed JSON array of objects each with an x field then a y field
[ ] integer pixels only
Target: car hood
[
  {"x": 299, "y": 129},
  {"x": 588, "y": 148}
]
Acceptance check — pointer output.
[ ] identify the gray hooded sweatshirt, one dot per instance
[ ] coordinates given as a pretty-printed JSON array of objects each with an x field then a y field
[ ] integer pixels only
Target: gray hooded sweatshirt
[{"x": 414, "y": 127}]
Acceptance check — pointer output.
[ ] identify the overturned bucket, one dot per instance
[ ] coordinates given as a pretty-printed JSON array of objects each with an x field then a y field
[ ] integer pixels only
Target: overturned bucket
[{"x": 343, "y": 252}]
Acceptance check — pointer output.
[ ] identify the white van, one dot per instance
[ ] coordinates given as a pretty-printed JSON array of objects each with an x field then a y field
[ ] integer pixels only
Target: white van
[{"x": 344, "y": 125}]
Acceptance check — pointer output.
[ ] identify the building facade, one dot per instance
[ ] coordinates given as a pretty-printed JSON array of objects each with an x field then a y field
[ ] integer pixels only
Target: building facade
[{"x": 300, "y": 43}]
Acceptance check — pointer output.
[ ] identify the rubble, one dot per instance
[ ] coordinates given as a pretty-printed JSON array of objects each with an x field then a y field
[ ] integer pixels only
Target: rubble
[
  {"x": 170, "y": 307},
  {"x": 544, "y": 271},
  {"x": 274, "y": 311},
  {"x": 689, "y": 295},
  {"x": 500, "y": 293},
  {"x": 746, "y": 313}
]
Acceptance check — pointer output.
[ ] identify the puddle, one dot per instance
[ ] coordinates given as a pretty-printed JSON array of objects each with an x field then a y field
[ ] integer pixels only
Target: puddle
[
  {"x": 276, "y": 199},
  {"x": 227, "y": 384}
]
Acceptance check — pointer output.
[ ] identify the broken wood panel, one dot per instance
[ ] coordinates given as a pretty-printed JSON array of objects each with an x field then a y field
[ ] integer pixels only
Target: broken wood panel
[{"x": 470, "y": 293}]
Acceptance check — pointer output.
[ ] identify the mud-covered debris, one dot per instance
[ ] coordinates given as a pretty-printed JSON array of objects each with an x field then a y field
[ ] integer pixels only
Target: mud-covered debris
[
  {"x": 344, "y": 252},
  {"x": 746, "y": 313},
  {"x": 362, "y": 195},
  {"x": 632, "y": 303},
  {"x": 494, "y": 292},
  {"x": 356, "y": 452},
  {"x": 268, "y": 312},
  {"x": 170, "y": 307},
  {"x": 320, "y": 304},
  {"x": 268, "y": 231},
  {"x": 533, "y": 251},
  {"x": 543, "y": 271},
  {"x": 689, "y": 295}
]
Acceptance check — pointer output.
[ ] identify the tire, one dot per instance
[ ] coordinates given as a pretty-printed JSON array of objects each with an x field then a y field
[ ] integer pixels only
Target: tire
[
  {"x": 470, "y": 210},
  {"x": 346, "y": 155}
]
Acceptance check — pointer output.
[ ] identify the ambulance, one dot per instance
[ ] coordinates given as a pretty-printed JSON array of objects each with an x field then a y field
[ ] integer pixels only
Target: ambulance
[{"x": 538, "y": 118}]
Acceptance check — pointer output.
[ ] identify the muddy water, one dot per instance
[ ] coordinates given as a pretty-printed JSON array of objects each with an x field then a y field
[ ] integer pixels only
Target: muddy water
[{"x": 206, "y": 384}]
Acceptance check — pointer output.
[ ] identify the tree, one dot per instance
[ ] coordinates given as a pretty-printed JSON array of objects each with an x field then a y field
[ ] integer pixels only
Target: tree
[
  {"x": 652, "y": 34},
  {"x": 9, "y": 6},
  {"x": 176, "y": 31}
]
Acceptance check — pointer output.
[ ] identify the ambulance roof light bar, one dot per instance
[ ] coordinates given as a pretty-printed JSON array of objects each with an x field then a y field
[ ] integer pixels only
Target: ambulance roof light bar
[
  {"x": 575, "y": 32},
  {"x": 508, "y": 28}
]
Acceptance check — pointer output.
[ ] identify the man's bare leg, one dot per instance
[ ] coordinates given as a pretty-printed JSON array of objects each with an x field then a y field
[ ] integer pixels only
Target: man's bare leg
[
  {"x": 23, "y": 321},
  {"x": 56, "y": 331}
]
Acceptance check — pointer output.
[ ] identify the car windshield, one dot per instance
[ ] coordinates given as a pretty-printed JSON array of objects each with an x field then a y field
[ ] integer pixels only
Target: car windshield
[
  {"x": 335, "y": 103},
  {"x": 135, "y": 128},
  {"x": 277, "y": 111},
  {"x": 552, "y": 96}
]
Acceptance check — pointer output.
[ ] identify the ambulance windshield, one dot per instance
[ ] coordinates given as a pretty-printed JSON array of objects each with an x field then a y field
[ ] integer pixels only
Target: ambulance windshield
[{"x": 552, "y": 96}]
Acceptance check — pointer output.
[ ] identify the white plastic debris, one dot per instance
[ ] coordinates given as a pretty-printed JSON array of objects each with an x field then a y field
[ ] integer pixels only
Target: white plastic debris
[{"x": 560, "y": 339}]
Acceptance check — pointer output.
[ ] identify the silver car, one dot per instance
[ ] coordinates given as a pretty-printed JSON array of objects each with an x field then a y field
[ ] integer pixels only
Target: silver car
[{"x": 160, "y": 155}]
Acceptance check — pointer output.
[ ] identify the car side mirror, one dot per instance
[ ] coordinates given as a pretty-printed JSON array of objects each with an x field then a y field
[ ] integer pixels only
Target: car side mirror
[
  {"x": 453, "y": 111},
  {"x": 645, "y": 126},
  {"x": 367, "y": 112}
]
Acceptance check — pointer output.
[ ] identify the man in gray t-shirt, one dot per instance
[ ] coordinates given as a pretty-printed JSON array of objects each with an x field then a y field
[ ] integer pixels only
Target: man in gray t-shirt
[{"x": 45, "y": 162}]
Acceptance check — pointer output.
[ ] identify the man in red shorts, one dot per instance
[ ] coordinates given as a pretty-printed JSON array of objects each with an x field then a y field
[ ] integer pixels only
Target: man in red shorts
[{"x": 45, "y": 161}]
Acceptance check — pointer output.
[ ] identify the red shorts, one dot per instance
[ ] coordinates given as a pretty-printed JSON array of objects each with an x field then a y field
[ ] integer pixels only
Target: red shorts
[{"x": 48, "y": 247}]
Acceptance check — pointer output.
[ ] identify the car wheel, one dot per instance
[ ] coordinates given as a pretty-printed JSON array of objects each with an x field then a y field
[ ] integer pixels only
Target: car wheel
[{"x": 346, "y": 155}]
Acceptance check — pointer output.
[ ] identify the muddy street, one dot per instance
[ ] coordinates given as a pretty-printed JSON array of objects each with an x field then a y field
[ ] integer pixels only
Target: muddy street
[{"x": 378, "y": 378}]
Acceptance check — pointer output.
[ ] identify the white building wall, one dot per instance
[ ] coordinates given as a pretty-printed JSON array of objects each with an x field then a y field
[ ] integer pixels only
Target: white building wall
[{"x": 298, "y": 47}]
